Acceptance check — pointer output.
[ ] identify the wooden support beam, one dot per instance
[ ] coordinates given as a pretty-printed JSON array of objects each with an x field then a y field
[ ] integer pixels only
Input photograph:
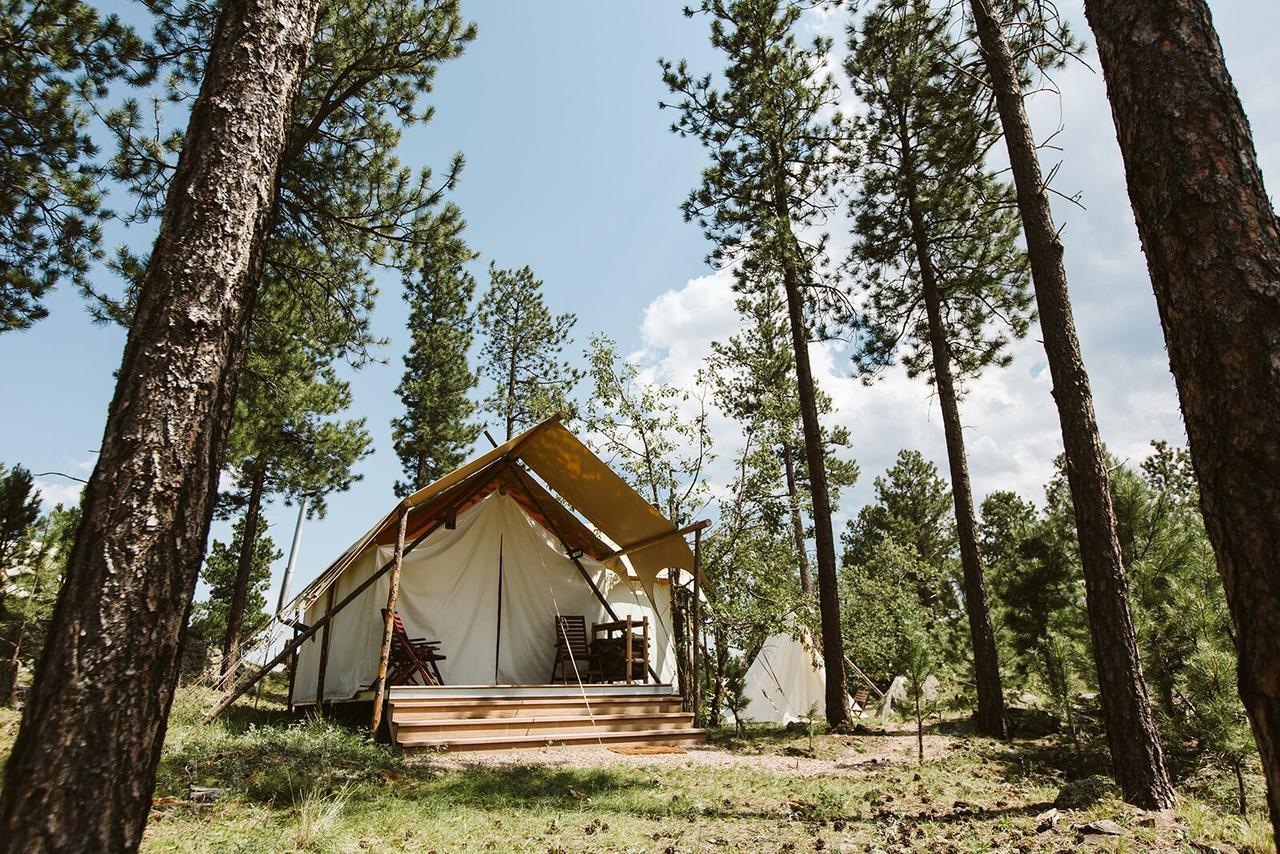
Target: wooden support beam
[
  {"x": 324, "y": 650},
  {"x": 697, "y": 625},
  {"x": 384, "y": 656},
  {"x": 658, "y": 538}
]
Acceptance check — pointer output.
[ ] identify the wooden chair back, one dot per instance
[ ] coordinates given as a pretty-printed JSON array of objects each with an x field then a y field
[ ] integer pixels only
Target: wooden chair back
[{"x": 571, "y": 635}]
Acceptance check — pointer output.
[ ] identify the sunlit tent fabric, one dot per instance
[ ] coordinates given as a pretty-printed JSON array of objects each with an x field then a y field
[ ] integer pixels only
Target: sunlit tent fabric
[
  {"x": 785, "y": 682},
  {"x": 490, "y": 519},
  {"x": 449, "y": 591}
]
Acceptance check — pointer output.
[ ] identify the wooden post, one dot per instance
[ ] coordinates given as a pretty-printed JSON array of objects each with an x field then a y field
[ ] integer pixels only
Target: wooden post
[
  {"x": 697, "y": 624},
  {"x": 380, "y": 686},
  {"x": 628, "y": 655},
  {"x": 644, "y": 632},
  {"x": 293, "y": 671},
  {"x": 324, "y": 649}
]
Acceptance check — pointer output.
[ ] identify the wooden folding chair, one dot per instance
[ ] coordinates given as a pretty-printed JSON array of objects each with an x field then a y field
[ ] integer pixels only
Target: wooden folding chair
[
  {"x": 412, "y": 658},
  {"x": 573, "y": 652}
]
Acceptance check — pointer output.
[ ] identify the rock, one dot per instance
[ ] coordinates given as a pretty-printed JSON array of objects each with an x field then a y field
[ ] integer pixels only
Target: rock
[
  {"x": 1158, "y": 818},
  {"x": 1047, "y": 820},
  {"x": 205, "y": 794},
  {"x": 1104, "y": 826},
  {"x": 1085, "y": 792}
]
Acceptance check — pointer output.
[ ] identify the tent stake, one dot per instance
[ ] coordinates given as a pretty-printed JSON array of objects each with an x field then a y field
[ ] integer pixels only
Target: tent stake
[{"x": 380, "y": 687}]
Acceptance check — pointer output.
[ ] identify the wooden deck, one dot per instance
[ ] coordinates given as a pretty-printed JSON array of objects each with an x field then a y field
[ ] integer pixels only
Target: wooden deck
[{"x": 502, "y": 717}]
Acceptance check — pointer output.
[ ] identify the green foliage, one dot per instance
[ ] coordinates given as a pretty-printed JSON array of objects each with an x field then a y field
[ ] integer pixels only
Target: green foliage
[
  {"x": 33, "y": 559},
  {"x": 57, "y": 59},
  {"x": 1184, "y": 628},
  {"x": 345, "y": 202},
  {"x": 925, "y": 188},
  {"x": 436, "y": 431},
  {"x": 878, "y": 604},
  {"x": 917, "y": 661},
  {"x": 208, "y": 622},
  {"x": 19, "y": 509},
  {"x": 522, "y": 351},
  {"x": 913, "y": 507},
  {"x": 655, "y": 435},
  {"x": 753, "y": 380},
  {"x": 777, "y": 149}
]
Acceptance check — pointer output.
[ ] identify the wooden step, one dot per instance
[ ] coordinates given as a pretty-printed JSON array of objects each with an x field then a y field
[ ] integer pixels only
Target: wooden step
[
  {"x": 503, "y": 742},
  {"x": 421, "y": 710},
  {"x": 545, "y": 725}
]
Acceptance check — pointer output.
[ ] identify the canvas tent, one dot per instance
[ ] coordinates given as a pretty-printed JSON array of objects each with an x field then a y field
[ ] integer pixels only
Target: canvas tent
[
  {"x": 482, "y": 560},
  {"x": 785, "y": 681},
  {"x": 489, "y": 590}
]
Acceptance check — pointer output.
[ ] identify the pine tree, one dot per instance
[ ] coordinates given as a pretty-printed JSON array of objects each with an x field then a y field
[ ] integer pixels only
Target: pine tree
[
  {"x": 774, "y": 157},
  {"x": 437, "y": 430},
  {"x": 522, "y": 350},
  {"x": 116, "y": 632},
  {"x": 31, "y": 588},
  {"x": 286, "y": 438},
  {"x": 211, "y": 618},
  {"x": 56, "y": 59},
  {"x": 1212, "y": 242},
  {"x": 345, "y": 203},
  {"x": 19, "y": 512},
  {"x": 753, "y": 381},
  {"x": 935, "y": 240},
  {"x": 655, "y": 434},
  {"x": 1137, "y": 755}
]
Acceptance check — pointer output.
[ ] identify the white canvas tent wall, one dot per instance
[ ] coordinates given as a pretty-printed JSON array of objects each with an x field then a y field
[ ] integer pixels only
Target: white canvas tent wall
[
  {"x": 785, "y": 681},
  {"x": 449, "y": 591}
]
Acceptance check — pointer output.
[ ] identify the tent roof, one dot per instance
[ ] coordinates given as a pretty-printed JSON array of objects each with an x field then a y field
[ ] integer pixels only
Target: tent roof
[{"x": 570, "y": 468}]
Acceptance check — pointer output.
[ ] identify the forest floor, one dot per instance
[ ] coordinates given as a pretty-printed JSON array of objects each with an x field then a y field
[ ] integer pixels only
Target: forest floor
[{"x": 281, "y": 785}]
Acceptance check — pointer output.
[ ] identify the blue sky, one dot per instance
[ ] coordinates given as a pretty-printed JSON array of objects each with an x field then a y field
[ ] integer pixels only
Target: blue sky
[{"x": 571, "y": 169}]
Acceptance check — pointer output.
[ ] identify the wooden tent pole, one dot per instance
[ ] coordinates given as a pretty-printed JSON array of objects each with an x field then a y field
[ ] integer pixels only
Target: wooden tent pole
[
  {"x": 324, "y": 650},
  {"x": 657, "y": 538},
  {"x": 384, "y": 655},
  {"x": 697, "y": 624}
]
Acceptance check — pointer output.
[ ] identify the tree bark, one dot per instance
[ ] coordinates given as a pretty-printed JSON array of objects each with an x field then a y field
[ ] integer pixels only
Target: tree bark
[
  {"x": 797, "y": 524},
  {"x": 986, "y": 660},
  {"x": 83, "y": 766},
  {"x": 1136, "y": 753},
  {"x": 837, "y": 710},
  {"x": 244, "y": 568},
  {"x": 1213, "y": 250}
]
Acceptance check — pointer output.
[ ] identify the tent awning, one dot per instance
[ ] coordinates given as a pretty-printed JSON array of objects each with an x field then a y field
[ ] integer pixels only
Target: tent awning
[{"x": 574, "y": 472}]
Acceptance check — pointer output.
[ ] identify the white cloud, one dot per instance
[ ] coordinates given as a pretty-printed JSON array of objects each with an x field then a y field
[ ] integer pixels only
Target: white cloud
[{"x": 54, "y": 491}]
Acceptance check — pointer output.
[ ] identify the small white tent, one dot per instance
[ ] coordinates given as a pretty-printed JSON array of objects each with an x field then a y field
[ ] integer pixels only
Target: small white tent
[{"x": 785, "y": 681}]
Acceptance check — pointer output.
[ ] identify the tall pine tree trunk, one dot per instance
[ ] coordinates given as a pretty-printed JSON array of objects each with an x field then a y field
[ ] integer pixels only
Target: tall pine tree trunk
[
  {"x": 1213, "y": 250},
  {"x": 1136, "y": 754},
  {"x": 986, "y": 661},
  {"x": 838, "y": 711},
  {"x": 83, "y": 767},
  {"x": 244, "y": 569},
  {"x": 797, "y": 524}
]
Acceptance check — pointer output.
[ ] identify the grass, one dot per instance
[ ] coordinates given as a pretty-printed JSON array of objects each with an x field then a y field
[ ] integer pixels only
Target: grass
[{"x": 316, "y": 786}]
